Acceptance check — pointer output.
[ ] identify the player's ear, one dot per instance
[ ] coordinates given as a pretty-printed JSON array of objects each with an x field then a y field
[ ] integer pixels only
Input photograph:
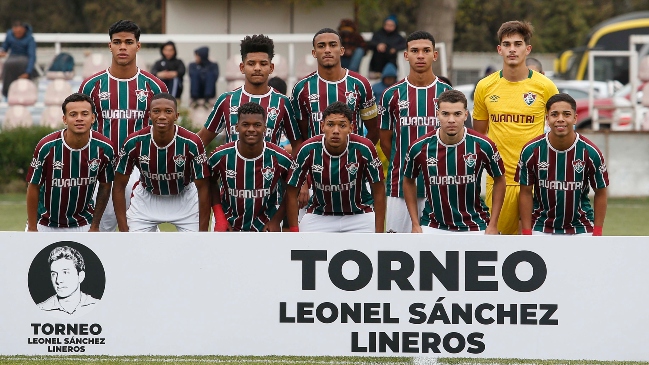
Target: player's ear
[
  {"x": 139, "y": 45},
  {"x": 313, "y": 53},
  {"x": 342, "y": 50},
  {"x": 241, "y": 67},
  {"x": 272, "y": 67},
  {"x": 528, "y": 49},
  {"x": 82, "y": 276},
  {"x": 435, "y": 55}
]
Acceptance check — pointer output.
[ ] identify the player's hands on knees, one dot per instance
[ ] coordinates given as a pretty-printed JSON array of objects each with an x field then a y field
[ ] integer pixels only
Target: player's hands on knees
[
  {"x": 491, "y": 230},
  {"x": 303, "y": 196},
  {"x": 93, "y": 229},
  {"x": 416, "y": 229},
  {"x": 272, "y": 227}
]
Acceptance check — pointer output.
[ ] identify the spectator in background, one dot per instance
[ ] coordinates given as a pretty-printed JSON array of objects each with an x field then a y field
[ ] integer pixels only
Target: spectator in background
[
  {"x": 170, "y": 69},
  {"x": 278, "y": 84},
  {"x": 385, "y": 43},
  {"x": 388, "y": 78},
  {"x": 21, "y": 61},
  {"x": 353, "y": 43},
  {"x": 203, "y": 75},
  {"x": 534, "y": 65}
]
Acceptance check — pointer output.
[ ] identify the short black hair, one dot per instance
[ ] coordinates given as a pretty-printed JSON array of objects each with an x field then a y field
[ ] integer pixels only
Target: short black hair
[
  {"x": 338, "y": 107},
  {"x": 257, "y": 43},
  {"x": 125, "y": 26},
  {"x": 251, "y": 108},
  {"x": 278, "y": 84},
  {"x": 77, "y": 97},
  {"x": 165, "y": 96},
  {"x": 561, "y": 97},
  {"x": 452, "y": 96},
  {"x": 326, "y": 30},
  {"x": 420, "y": 34}
]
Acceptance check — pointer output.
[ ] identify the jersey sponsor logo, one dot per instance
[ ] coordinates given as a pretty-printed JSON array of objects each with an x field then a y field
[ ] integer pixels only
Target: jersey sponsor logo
[
  {"x": 435, "y": 103},
  {"x": 93, "y": 164},
  {"x": 369, "y": 103},
  {"x": 529, "y": 98},
  {"x": 403, "y": 104},
  {"x": 230, "y": 173},
  {"x": 578, "y": 165},
  {"x": 141, "y": 95},
  {"x": 179, "y": 160},
  {"x": 602, "y": 168},
  {"x": 105, "y": 95},
  {"x": 380, "y": 109},
  {"x": 234, "y": 109},
  {"x": 269, "y": 132},
  {"x": 314, "y": 98},
  {"x": 123, "y": 114},
  {"x": 494, "y": 98},
  {"x": 336, "y": 187},
  {"x": 268, "y": 172},
  {"x": 470, "y": 159},
  {"x": 418, "y": 121},
  {"x": 273, "y": 113},
  {"x": 317, "y": 168},
  {"x": 168, "y": 177},
  {"x": 452, "y": 179},
  {"x": 431, "y": 161},
  {"x": 74, "y": 181},
  {"x": 201, "y": 159},
  {"x": 496, "y": 156},
  {"x": 377, "y": 162},
  {"x": 352, "y": 168},
  {"x": 143, "y": 159},
  {"x": 511, "y": 118},
  {"x": 561, "y": 185},
  {"x": 35, "y": 163},
  {"x": 248, "y": 194},
  {"x": 543, "y": 165},
  {"x": 351, "y": 97},
  {"x": 316, "y": 117},
  {"x": 57, "y": 165}
]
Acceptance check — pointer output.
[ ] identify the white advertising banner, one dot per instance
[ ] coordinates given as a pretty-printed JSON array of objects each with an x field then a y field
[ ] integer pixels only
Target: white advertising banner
[{"x": 539, "y": 297}]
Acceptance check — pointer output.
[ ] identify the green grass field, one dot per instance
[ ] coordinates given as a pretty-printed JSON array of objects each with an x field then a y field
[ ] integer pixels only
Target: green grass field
[{"x": 624, "y": 216}]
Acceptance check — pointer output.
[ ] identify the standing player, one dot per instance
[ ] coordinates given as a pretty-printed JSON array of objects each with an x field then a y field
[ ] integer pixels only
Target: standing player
[
  {"x": 510, "y": 105},
  {"x": 451, "y": 161},
  {"x": 67, "y": 166},
  {"x": 408, "y": 111},
  {"x": 122, "y": 95},
  {"x": 257, "y": 55},
  {"x": 339, "y": 163},
  {"x": 555, "y": 171},
  {"x": 173, "y": 185},
  {"x": 331, "y": 83},
  {"x": 251, "y": 171}
]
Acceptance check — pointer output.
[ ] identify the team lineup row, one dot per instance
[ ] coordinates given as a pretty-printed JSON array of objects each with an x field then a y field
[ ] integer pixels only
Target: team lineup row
[{"x": 435, "y": 163}]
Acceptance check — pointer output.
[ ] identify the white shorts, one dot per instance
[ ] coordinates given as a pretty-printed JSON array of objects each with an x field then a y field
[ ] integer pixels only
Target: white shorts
[
  {"x": 42, "y": 228},
  {"x": 431, "y": 230},
  {"x": 148, "y": 210},
  {"x": 536, "y": 233},
  {"x": 108, "y": 220},
  {"x": 397, "y": 218},
  {"x": 359, "y": 223}
]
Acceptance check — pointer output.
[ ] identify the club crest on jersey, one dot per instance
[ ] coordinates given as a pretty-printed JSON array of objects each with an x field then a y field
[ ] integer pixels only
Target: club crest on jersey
[
  {"x": 93, "y": 164},
  {"x": 104, "y": 95},
  {"x": 57, "y": 165},
  {"x": 351, "y": 97},
  {"x": 141, "y": 94},
  {"x": 403, "y": 104},
  {"x": 431, "y": 161},
  {"x": 234, "y": 109},
  {"x": 470, "y": 159},
  {"x": 579, "y": 165},
  {"x": 273, "y": 113},
  {"x": 268, "y": 172},
  {"x": 314, "y": 98},
  {"x": 179, "y": 160},
  {"x": 529, "y": 98},
  {"x": 230, "y": 173},
  {"x": 317, "y": 168},
  {"x": 144, "y": 159},
  {"x": 352, "y": 168},
  {"x": 543, "y": 165}
]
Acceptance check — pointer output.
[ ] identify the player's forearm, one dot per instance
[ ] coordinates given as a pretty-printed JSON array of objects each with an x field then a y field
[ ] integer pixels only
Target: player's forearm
[
  {"x": 304, "y": 129},
  {"x": 119, "y": 201},
  {"x": 410, "y": 196},
  {"x": 600, "y": 205},
  {"x": 103, "y": 195},
  {"x": 497, "y": 199},
  {"x": 295, "y": 146},
  {"x": 525, "y": 205},
  {"x": 32, "y": 207},
  {"x": 386, "y": 142},
  {"x": 291, "y": 206},
  {"x": 206, "y": 136},
  {"x": 481, "y": 126},
  {"x": 204, "y": 207},
  {"x": 372, "y": 129},
  {"x": 378, "y": 193}
]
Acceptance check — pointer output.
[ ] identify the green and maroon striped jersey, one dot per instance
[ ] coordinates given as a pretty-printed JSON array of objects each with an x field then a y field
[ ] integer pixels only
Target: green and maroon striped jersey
[
  {"x": 338, "y": 182},
  {"x": 452, "y": 176},
  {"x": 313, "y": 94},
  {"x": 164, "y": 170},
  {"x": 122, "y": 105},
  {"x": 280, "y": 117},
  {"x": 67, "y": 178},
  {"x": 562, "y": 180},
  {"x": 409, "y": 112},
  {"x": 249, "y": 187}
]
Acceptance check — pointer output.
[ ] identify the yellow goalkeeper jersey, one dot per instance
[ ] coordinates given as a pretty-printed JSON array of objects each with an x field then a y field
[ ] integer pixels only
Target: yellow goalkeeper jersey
[{"x": 515, "y": 111}]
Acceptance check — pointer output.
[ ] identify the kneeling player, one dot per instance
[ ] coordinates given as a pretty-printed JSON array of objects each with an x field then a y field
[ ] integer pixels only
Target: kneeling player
[
  {"x": 66, "y": 167},
  {"x": 251, "y": 172},
  {"x": 559, "y": 167},
  {"x": 173, "y": 185},
  {"x": 452, "y": 160},
  {"x": 338, "y": 163}
]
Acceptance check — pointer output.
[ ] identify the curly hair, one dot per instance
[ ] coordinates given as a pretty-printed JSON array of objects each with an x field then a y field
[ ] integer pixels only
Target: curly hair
[
  {"x": 257, "y": 43},
  {"x": 251, "y": 108},
  {"x": 338, "y": 107}
]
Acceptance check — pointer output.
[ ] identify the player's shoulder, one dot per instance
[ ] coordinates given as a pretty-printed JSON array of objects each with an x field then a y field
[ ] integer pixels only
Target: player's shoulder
[
  {"x": 398, "y": 86},
  {"x": 588, "y": 144},
  {"x": 534, "y": 143},
  {"x": 48, "y": 139},
  {"x": 187, "y": 134},
  {"x": 101, "y": 139},
  {"x": 312, "y": 143},
  {"x": 358, "y": 141},
  {"x": 542, "y": 80},
  {"x": 138, "y": 135},
  {"x": 477, "y": 136},
  {"x": 277, "y": 150},
  {"x": 303, "y": 81},
  {"x": 353, "y": 75},
  {"x": 489, "y": 80},
  {"x": 153, "y": 79},
  {"x": 94, "y": 79},
  {"x": 224, "y": 149},
  {"x": 426, "y": 139}
]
